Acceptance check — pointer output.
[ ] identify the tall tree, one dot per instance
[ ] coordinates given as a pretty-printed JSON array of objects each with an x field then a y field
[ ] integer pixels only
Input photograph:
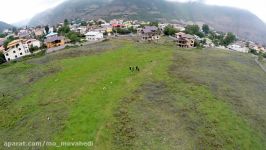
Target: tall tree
[
  {"x": 206, "y": 28},
  {"x": 46, "y": 29},
  {"x": 170, "y": 30},
  {"x": 66, "y": 23},
  {"x": 2, "y": 58},
  {"x": 229, "y": 38}
]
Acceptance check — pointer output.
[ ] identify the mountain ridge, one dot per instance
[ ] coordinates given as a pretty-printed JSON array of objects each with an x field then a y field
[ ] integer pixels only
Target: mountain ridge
[
  {"x": 4, "y": 26},
  {"x": 226, "y": 19}
]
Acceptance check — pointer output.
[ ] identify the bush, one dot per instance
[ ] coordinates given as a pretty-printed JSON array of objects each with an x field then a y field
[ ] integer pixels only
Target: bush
[
  {"x": 73, "y": 36},
  {"x": 122, "y": 31},
  {"x": 32, "y": 49},
  {"x": 253, "y": 51},
  {"x": 194, "y": 30},
  {"x": 170, "y": 30}
]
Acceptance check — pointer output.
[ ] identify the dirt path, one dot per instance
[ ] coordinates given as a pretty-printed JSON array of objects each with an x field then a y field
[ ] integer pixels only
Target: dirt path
[{"x": 261, "y": 66}]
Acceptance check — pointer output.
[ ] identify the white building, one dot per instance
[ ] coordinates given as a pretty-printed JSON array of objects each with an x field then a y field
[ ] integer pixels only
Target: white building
[
  {"x": 82, "y": 30},
  {"x": 94, "y": 36},
  {"x": 33, "y": 43},
  {"x": 16, "y": 49},
  {"x": 239, "y": 46}
]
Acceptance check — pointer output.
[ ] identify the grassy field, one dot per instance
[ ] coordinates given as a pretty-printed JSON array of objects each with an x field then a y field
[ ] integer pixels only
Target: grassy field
[{"x": 180, "y": 99}]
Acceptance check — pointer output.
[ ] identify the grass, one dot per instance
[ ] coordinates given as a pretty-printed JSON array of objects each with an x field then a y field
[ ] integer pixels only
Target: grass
[{"x": 179, "y": 100}]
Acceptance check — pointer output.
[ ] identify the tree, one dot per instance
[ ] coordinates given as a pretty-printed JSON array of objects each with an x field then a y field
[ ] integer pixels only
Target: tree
[
  {"x": 260, "y": 56},
  {"x": 194, "y": 30},
  {"x": 170, "y": 30},
  {"x": 2, "y": 58},
  {"x": 32, "y": 49},
  {"x": 229, "y": 38},
  {"x": 66, "y": 23},
  {"x": 83, "y": 23},
  {"x": 264, "y": 55},
  {"x": 205, "y": 29},
  {"x": 2, "y": 35},
  {"x": 132, "y": 30},
  {"x": 46, "y": 29},
  {"x": 73, "y": 36},
  {"x": 8, "y": 40},
  {"x": 64, "y": 30},
  {"x": 122, "y": 31},
  {"x": 154, "y": 24}
]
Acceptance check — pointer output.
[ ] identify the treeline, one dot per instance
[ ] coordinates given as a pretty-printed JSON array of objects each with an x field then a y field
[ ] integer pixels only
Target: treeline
[{"x": 223, "y": 39}]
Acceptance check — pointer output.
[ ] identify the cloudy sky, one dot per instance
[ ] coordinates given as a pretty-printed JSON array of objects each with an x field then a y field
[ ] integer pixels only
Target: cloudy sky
[{"x": 13, "y": 11}]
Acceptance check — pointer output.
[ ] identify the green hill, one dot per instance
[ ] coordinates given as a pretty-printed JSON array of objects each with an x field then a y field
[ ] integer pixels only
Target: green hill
[{"x": 180, "y": 98}]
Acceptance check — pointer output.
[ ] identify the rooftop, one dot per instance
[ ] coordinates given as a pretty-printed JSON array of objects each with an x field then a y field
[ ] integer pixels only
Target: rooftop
[{"x": 15, "y": 42}]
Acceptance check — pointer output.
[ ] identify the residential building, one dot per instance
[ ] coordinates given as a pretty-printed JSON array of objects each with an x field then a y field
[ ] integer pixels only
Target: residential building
[
  {"x": 150, "y": 33},
  {"x": 185, "y": 40},
  {"x": 39, "y": 32},
  {"x": 33, "y": 43},
  {"x": 24, "y": 34},
  {"x": 239, "y": 46},
  {"x": 94, "y": 36},
  {"x": 256, "y": 47},
  {"x": 16, "y": 49},
  {"x": 82, "y": 30},
  {"x": 53, "y": 40},
  {"x": 2, "y": 49},
  {"x": 104, "y": 25},
  {"x": 2, "y": 40},
  {"x": 101, "y": 30}
]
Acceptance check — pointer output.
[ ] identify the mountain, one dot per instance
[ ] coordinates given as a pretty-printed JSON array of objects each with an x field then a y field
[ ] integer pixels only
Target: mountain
[
  {"x": 226, "y": 19},
  {"x": 4, "y": 26},
  {"x": 21, "y": 23}
]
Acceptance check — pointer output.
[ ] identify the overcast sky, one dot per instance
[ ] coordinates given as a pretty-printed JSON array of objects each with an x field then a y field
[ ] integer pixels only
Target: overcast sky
[{"x": 13, "y": 11}]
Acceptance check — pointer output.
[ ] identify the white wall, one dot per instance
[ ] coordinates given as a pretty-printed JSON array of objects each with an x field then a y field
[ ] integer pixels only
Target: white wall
[{"x": 17, "y": 52}]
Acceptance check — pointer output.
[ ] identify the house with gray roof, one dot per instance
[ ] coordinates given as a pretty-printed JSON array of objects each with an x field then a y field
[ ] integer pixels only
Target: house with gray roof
[{"x": 150, "y": 33}]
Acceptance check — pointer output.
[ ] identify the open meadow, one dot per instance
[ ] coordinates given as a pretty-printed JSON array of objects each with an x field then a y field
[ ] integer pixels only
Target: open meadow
[{"x": 179, "y": 99}]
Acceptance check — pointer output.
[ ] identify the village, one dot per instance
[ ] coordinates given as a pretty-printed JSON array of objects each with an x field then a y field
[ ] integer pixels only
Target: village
[{"x": 18, "y": 43}]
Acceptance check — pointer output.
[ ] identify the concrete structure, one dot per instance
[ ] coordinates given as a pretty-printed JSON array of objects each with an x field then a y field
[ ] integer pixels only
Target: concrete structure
[
  {"x": 94, "y": 36},
  {"x": 16, "y": 49},
  {"x": 185, "y": 40}
]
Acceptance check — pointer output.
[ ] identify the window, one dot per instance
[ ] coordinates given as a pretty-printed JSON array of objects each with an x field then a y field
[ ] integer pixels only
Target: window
[
  {"x": 20, "y": 53},
  {"x": 8, "y": 59},
  {"x": 19, "y": 48},
  {"x": 14, "y": 51},
  {"x": 16, "y": 56},
  {"x": 6, "y": 54}
]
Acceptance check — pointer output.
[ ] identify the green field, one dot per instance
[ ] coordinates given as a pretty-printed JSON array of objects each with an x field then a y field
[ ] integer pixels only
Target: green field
[{"x": 180, "y": 98}]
